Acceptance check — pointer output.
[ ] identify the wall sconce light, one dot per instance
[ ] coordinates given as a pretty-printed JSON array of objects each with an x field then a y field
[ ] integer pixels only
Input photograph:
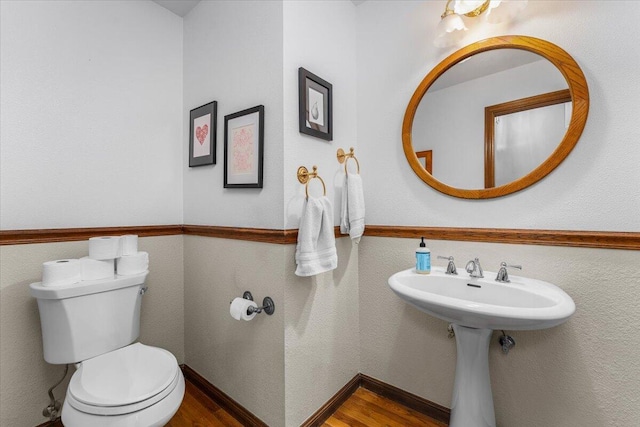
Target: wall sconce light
[{"x": 451, "y": 28}]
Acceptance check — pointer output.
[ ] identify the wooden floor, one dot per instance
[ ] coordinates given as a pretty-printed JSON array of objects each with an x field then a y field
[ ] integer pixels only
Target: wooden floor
[
  {"x": 367, "y": 409},
  {"x": 197, "y": 410},
  {"x": 363, "y": 409}
]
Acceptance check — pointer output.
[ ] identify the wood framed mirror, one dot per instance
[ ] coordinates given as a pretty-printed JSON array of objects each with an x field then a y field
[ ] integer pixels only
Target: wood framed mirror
[{"x": 450, "y": 110}]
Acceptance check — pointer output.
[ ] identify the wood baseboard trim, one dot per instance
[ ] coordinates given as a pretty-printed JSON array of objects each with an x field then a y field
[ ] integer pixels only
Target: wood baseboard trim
[
  {"x": 417, "y": 403},
  {"x": 332, "y": 405},
  {"x": 235, "y": 409},
  {"x": 388, "y": 391},
  {"x": 579, "y": 239},
  {"x": 54, "y": 235}
]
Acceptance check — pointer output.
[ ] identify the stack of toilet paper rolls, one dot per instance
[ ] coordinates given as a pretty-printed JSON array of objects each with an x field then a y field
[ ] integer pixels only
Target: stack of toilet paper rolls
[
  {"x": 130, "y": 261},
  {"x": 108, "y": 256}
]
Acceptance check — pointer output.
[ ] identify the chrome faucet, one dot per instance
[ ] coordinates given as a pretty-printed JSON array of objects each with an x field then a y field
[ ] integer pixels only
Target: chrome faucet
[
  {"x": 451, "y": 267},
  {"x": 503, "y": 275},
  {"x": 474, "y": 269}
]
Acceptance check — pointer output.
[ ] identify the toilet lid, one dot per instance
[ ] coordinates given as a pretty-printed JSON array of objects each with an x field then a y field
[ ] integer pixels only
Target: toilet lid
[
  {"x": 126, "y": 409},
  {"x": 123, "y": 377}
]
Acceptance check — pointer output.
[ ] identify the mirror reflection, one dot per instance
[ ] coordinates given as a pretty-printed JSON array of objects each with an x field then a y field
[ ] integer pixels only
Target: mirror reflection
[{"x": 491, "y": 119}]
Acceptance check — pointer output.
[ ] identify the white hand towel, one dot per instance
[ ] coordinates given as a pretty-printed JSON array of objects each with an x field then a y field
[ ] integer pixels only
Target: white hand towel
[
  {"x": 352, "y": 210},
  {"x": 316, "y": 249},
  {"x": 344, "y": 209}
]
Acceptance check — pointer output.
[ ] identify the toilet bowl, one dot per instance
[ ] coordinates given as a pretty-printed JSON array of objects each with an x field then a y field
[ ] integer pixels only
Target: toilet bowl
[{"x": 134, "y": 386}]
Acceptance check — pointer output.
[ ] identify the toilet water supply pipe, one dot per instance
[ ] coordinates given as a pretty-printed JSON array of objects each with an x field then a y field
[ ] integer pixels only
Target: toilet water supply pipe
[{"x": 53, "y": 409}]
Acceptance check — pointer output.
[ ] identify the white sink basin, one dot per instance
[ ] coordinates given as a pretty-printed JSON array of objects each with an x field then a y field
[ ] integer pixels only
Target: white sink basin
[
  {"x": 476, "y": 307},
  {"x": 522, "y": 304}
]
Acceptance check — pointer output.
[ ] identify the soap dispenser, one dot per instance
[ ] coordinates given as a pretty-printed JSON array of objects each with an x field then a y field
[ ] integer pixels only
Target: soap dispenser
[{"x": 423, "y": 259}]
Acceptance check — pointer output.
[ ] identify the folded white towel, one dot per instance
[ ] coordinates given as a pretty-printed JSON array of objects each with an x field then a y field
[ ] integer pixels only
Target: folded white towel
[
  {"x": 352, "y": 210},
  {"x": 344, "y": 208},
  {"x": 316, "y": 249}
]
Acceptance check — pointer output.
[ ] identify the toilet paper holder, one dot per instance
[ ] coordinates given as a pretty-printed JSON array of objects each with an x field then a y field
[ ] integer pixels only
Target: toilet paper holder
[{"x": 267, "y": 304}]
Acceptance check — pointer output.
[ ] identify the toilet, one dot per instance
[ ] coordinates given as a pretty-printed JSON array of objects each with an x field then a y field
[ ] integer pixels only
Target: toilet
[{"x": 118, "y": 382}]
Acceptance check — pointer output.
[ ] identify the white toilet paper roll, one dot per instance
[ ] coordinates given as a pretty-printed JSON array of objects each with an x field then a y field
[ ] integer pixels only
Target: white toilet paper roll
[
  {"x": 137, "y": 263},
  {"x": 95, "y": 269},
  {"x": 107, "y": 247},
  {"x": 129, "y": 244},
  {"x": 238, "y": 309},
  {"x": 61, "y": 272}
]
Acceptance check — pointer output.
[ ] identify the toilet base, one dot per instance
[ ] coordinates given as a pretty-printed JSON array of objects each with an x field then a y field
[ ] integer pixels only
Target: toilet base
[{"x": 157, "y": 415}]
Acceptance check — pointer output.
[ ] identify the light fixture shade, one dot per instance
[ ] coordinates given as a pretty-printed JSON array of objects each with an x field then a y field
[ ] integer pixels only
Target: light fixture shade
[
  {"x": 450, "y": 30},
  {"x": 504, "y": 10},
  {"x": 462, "y": 7}
]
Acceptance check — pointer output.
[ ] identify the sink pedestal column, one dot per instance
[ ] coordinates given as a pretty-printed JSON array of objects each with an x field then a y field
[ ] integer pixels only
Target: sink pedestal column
[{"x": 472, "y": 401}]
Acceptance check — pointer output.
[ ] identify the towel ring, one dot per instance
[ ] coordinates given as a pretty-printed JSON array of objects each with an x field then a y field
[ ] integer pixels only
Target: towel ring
[
  {"x": 304, "y": 176},
  {"x": 344, "y": 158}
]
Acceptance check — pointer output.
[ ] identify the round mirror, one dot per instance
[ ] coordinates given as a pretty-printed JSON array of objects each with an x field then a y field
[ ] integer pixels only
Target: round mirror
[{"x": 495, "y": 117}]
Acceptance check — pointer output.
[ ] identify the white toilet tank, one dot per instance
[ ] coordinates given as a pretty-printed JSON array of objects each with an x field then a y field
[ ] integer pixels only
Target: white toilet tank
[{"x": 89, "y": 318}]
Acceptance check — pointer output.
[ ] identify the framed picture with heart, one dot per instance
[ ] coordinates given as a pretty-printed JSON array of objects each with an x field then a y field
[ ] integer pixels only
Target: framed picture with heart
[{"x": 202, "y": 135}]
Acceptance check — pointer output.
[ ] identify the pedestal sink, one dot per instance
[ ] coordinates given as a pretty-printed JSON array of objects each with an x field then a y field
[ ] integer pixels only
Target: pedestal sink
[{"x": 475, "y": 307}]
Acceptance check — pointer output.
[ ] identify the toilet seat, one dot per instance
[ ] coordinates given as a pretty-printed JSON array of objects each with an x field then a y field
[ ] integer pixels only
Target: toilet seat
[
  {"x": 156, "y": 415},
  {"x": 123, "y": 381}
]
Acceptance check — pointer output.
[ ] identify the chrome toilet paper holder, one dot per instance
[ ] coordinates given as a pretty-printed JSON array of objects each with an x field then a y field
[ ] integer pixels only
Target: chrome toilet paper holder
[{"x": 267, "y": 304}]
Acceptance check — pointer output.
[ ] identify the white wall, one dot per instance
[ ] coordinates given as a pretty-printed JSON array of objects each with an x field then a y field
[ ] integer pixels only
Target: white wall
[
  {"x": 91, "y": 133},
  {"x": 583, "y": 372},
  {"x": 319, "y": 36},
  {"x": 91, "y": 114},
  {"x": 247, "y": 53},
  {"x": 233, "y": 55},
  {"x": 596, "y": 188},
  {"x": 317, "y": 326},
  {"x": 321, "y": 312}
]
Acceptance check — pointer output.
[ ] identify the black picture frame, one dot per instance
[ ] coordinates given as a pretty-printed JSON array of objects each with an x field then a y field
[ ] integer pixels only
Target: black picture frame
[
  {"x": 243, "y": 166},
  {"x": 203, "y": 129},
  {"x": 315, "y": 120}
]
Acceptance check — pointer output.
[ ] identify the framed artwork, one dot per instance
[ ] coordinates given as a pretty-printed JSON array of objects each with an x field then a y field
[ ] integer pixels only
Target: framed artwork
[
  {"x": 244, "y": 148},
  {"x": 202, "y": 135},
  {"x": 315, "y": 105}
]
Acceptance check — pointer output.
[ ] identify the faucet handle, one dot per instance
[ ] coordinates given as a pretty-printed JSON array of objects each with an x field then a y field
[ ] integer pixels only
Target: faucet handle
[
  {"x": 503, "y": 275},
  {"x": 451, "y": 267},
  {"x": 504, "y": 264},
  {"x": 474, "y": 268}
]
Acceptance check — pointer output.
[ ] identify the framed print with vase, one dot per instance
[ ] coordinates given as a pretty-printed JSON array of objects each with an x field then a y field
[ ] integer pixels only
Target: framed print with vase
[{"x": 315, "y": 109}]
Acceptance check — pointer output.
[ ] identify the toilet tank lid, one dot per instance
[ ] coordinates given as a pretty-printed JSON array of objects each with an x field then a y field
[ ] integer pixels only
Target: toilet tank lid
[{"x": 86, "y": 287}]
